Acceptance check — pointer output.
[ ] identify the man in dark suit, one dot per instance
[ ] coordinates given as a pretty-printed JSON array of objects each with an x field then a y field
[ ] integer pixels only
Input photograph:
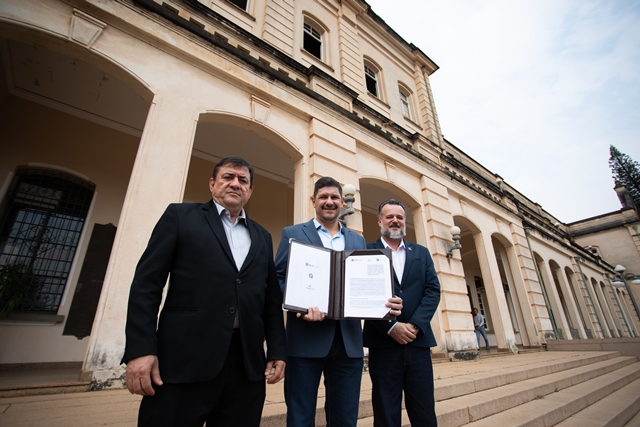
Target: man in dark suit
[
  {"x": 399, "y": 351},
  {"x": 316, "y": 345},
  {"x": 205, "y": 359}
]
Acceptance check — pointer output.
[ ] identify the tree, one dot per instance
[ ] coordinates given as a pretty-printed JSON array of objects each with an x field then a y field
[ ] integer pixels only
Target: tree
[{"x": 626, "y": 172}]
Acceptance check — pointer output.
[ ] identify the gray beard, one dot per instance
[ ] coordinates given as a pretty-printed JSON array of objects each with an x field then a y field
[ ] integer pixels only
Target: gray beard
[{"x": 393, "y": 234}]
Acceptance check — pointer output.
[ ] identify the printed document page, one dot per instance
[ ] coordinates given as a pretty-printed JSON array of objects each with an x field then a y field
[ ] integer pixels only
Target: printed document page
[
  {"x": 367, "y": 286},
  {"x": 308, "y": 277}
]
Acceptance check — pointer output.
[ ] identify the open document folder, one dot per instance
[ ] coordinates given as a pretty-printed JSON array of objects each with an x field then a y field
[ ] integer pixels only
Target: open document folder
[{"x": 342, "y": 284}]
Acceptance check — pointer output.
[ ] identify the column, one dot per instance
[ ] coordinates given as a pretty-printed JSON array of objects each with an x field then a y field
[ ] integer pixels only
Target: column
[
  {"x": 597, "y": 303},
  {"x": 157, "y": 179},
  {"x": 518, "y": 292},
  {"x": 614, "y": 307},
  {"x": 631, "y": 318},
  {"x": 571, "y": 304},
  {"x": 554, "y": 300},
  {"x": 502, "y": 326}
]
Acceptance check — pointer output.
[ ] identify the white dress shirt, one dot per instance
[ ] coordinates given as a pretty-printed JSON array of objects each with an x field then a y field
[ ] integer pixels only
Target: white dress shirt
[{"x": 238, "y": 238}]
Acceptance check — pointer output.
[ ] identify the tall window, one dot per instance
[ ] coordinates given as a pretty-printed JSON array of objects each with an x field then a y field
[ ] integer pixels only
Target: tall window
[
  {"x": 312, "y": 41},
  {"x": 406, "y": 106},
  {"x": 371, "y": 78},
  {"x": 40, "y": 226},
  {"x": 242, "y": 4}
]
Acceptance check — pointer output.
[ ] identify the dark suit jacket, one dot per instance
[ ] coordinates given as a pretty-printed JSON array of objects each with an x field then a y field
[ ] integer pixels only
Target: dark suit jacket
[
  {"x": 314, "y": 339},
  {"x": 420, "y": 293},
  {"x": 193, "y": 335}
]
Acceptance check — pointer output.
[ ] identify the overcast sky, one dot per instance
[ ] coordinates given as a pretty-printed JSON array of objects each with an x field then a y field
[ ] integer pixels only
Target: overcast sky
[{"x": 536, "y": 91}]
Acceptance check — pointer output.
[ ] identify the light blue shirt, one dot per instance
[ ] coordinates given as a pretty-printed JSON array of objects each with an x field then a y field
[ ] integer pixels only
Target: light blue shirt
[{"x": 335, "y": 242}]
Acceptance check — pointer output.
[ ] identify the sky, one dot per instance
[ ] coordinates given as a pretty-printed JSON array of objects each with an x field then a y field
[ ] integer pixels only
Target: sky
[{"x": 536, "y": 91}]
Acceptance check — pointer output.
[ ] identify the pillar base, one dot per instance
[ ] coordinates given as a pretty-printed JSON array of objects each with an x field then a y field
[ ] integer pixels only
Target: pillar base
[
  {"x": 463, "y": 356},
  {"x": 106, "y": 379}
]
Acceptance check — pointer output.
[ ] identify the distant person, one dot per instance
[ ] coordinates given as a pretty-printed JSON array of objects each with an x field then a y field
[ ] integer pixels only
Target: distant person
[
  {"x": 205, "y": 360},
  {"x": 400, "y": 350},
  {"x": 478, "y": 322},
  {"x": 316, "y": 345}
]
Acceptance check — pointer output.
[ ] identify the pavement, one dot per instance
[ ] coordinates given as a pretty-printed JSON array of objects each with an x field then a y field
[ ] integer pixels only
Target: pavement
[{"x": 119, "y": 407}]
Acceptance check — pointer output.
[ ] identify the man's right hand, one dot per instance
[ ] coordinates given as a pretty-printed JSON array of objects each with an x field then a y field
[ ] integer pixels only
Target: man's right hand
[{"x": 141, "y": 371}]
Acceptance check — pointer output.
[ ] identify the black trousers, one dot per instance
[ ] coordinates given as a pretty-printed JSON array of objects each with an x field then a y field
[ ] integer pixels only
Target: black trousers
[{"x": 229, "y": 400}]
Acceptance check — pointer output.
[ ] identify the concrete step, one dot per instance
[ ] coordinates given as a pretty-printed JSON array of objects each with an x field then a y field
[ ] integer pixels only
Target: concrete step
[
  {"x": 464, "y": 378},
  {"x": 510, "y": 371},
  {"x": 510, "y": 388},
  {"x": 614, "y": 410},
  {"x": 32, "y": 382},
  {"x": 549, "y": 409},
  {"x": 118, "y": 408},
  {"x": 634, "y": 422}
]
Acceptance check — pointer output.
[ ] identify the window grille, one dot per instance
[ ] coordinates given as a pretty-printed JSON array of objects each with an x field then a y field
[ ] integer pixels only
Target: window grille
[
  {"x": 40, "y": 226},
  {"x": 312, "y": 42}
]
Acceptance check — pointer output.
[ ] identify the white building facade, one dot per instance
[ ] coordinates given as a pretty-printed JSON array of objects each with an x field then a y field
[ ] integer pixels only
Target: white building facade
[{"x": 111, "y": 110}]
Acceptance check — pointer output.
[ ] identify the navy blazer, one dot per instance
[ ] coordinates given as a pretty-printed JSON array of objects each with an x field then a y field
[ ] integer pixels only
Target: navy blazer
[
  {"x": 314, "y": 339},
  {"x": 420, "y": 293},
  {"x": 193, "y": 334}
]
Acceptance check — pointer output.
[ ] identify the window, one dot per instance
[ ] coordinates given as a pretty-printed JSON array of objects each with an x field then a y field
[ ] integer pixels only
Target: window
[
  {"x": 242, "y": 4},
  {"x": 371, "y": 78},
  {"x": 312, "y": 41},
  {"x": 40, "y": 226},
  {"x": 406, "y": 107}
]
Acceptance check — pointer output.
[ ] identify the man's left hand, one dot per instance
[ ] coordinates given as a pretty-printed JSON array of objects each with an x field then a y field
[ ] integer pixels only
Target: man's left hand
[
  {"x": 274, "y": 371},
  {"x": 395, "y": 304},
  {"x": 404, "y": 333}
]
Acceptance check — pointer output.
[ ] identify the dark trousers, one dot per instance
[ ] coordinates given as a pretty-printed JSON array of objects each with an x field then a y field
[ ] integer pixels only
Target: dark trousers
[
  {"x": 342, "y": 379},
  {"x": 229, "y": 400},
  {"x": 398, "y": 369}
]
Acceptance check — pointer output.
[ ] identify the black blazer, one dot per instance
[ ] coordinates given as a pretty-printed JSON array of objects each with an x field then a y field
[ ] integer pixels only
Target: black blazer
[
  {"x": 420, "y": 293},
  {"x": 192, "y": 337}
]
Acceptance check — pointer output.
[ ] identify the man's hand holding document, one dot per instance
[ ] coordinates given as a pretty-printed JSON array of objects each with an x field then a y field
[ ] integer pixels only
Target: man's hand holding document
[{"x": 342, "y": 284}]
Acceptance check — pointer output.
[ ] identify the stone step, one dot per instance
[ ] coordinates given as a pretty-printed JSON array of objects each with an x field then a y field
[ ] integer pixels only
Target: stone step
[
  {"x": 510, "y": 371},
  {"x": 634, "y": 422},
  {"x": 549, "y": 409},
  {"x": 511, "y": 388},
  {"x": 118, "y": 408},
  {"x": 458, "y": 379},
  {"x": 465, "y": 409},
  {"x": 33, "y": 382},
  {"x": 36, "y": 390},
  {"x": 614, "y": 410}
]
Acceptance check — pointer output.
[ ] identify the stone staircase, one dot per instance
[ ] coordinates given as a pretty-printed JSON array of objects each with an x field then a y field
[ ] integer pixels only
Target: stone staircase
[
  {"x": 588, "y": 389},
  {"x": 563, "y": 388}
]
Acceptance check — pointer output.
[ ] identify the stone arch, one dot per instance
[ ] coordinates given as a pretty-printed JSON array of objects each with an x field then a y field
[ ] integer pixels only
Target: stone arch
[
  {"x": 69, "y": 108},
  {"x": 373, "y": 191}
]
